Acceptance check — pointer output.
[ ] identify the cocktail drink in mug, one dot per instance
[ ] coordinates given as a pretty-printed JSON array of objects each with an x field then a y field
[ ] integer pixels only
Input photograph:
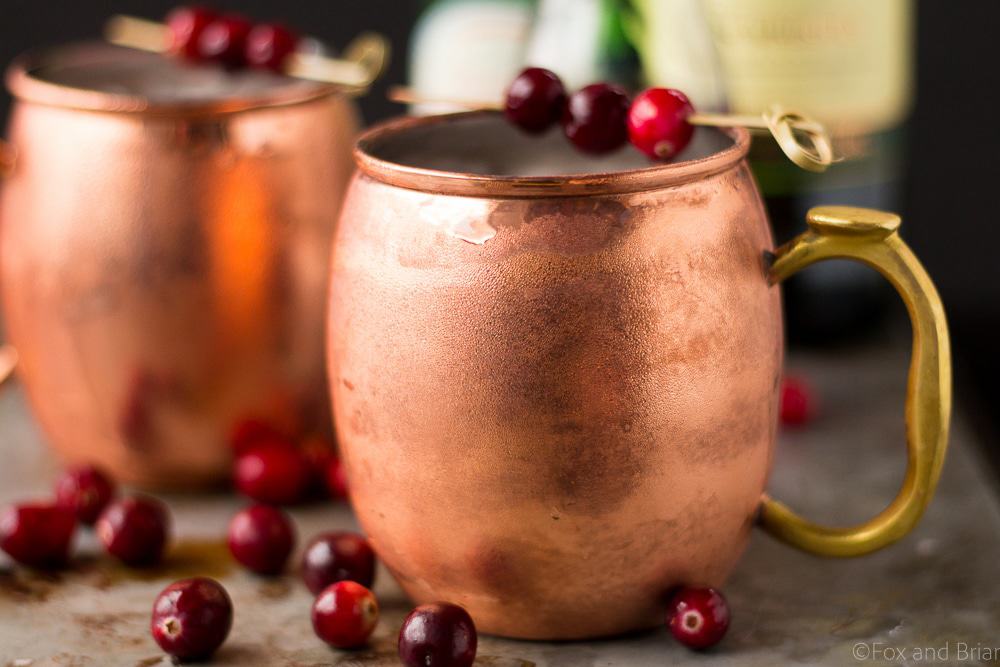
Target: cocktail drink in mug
[
  {"x": 165, "y": 246},
  {"x": 555, "y": 377}
]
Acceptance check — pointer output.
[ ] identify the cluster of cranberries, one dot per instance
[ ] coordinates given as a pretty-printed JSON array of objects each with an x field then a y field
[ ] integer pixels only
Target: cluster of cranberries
[
  {"x": 599, "y": 118},
  {"x": 277, "y": 468},
  {"x": 134, "y": 529},
  {"x": 202, "y": 35}
]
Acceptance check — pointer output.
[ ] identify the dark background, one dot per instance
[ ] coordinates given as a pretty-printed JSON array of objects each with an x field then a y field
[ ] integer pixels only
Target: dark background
[{"x": 952, "y": 182}]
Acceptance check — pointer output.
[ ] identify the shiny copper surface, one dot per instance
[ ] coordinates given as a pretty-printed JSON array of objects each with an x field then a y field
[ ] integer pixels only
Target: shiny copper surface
[
  {"x": 164, "y": 265},
  {"x": 555, "y": 395}
]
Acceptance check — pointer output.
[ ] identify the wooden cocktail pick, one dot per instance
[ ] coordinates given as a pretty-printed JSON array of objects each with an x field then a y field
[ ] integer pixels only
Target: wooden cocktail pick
[{"x": 365, "y": 58}]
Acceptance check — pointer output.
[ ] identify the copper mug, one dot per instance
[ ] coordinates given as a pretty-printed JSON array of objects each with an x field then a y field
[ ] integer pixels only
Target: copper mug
[
  {"x": 164, "y": 260},
  {"x": 556, "y": 395}
]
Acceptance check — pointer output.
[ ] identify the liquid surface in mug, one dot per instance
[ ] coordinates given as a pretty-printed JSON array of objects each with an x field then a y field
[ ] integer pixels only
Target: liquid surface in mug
[
  {"x": 157, "y": 78},
  {"x": 486, "y": 144}
]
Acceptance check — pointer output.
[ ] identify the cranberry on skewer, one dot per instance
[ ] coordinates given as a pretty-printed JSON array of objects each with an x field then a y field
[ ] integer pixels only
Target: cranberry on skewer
[
  {"x": 594, "y": 118},
  {"x": 658, "y": 122},
  {"x": 186, "y": 24},
  {"x": 535, "y": 100}
]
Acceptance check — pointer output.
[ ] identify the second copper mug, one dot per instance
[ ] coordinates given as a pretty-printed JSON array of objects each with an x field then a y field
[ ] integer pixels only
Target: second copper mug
[
  {"x": 555, "y": 378},
  {"x": 165, "y": 243}
]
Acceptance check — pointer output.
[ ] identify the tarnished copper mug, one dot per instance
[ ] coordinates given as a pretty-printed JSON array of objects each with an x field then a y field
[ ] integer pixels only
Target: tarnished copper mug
[
  {"x": 165, "y": 248},
  {"x": 556, "y": 387}
]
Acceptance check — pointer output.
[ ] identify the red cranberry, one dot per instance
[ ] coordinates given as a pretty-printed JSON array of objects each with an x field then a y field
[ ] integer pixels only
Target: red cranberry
[
  {"x": 796, "y": 402},
  {"x": 135, "y": 530},
  {"x": 85, "y": 490},
  {"x": 333, "y": 557},
  {"x": 438, "y": 635},
  {"x": 261, "y": 537},
  {"x": 535, "y": 100},
  {"x": 224, "y": 40},
  {"x": 319, "y": 454},
  {"x": 269, "y": 45},
  {"x": 344, "y": 615},
  {"x": 698, "y": 617},
  {"x": 658, "y": 122},
  {"x": 186, "y": 25},
  {"x": 336, "y": 479},
  {"x": 594, "y": 119},
  {"x": 274, "y": 474},
  {"x": 191, "y": 618},
  {"x": 38, "y": 535},
  {"x": 250, "y": 432}
]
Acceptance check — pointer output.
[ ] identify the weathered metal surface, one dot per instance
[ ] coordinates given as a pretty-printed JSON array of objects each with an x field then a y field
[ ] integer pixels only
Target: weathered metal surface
[{"x": 936, "y": 589}]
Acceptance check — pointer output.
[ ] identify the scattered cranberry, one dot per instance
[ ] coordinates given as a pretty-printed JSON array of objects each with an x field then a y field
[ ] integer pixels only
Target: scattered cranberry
[
  {"x": 186, "y": 25},
  {"x": 191, "y": 618},
  {"x": 797, "y": 405},
  {"x": 535, "y": 100},
  {"x": 344, "y": 615},
  {"x": 269, "y": 45},
  {"x": 224, "y": 40},
  {"x": 274, "y": 474},
  {"x": 135, "y": 530},
  {"x": 250, "y": 432},
  {"x": 333, "y": 557},
  {"x": 85, "y": 490},
  {"x": 319, "y": 455},
  {"x": 658, "y": 122},
  {"x": 37, "y": 535},
  {"x": 594, "y": 119},
  {"x": 438, "y": 635},
  {"x": 261, "y": 538},
  {"x": 698, "y": 617},
  {"x": 336, "y": 479}
]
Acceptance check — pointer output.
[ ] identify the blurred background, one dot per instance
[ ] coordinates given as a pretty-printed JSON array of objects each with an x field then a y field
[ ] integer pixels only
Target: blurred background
[{"x": 906, "y": 87}]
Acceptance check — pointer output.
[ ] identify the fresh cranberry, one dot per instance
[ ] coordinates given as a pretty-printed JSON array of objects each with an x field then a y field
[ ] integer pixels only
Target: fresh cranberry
[
  {"x": 274, "y": 474},
  {"x": 38, "y": 535},
  {"x": 269, "y": 45},
  {"x": 191, "y": 618},
  {"x": 333, "y": 557},
  {"x": 224, "y": 40},
  {"x": 336, "y": 479},
  {"x": 344, "y": 615},
  {"x": 261, "y": 537},
  {"x": 535, "y": 100},
  {"x": 186, "y": 25},
  {"x": 594, "y": 118},
  {"x": 658, "y": 122},
  {"x": 796, "y": 402},
  {"x": 250, "y": 432},
  {"x": 135, "y": 530},
  {"x": 438, "y": 635},
  {"x": 319, "y": 454},
  {"x": 698, "y": 617},
  {"x": 86, "y": 490}
]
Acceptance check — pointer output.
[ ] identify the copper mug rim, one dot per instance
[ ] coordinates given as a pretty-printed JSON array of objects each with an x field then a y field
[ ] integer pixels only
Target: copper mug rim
[
  {"x": 469, "y": 184},
  {"x": 24, "y": 84}
]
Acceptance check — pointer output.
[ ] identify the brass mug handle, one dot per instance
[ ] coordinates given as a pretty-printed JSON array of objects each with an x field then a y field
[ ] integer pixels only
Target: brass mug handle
[
  {"x": 872, "y": 237},
  {"x": 8, "y": 355}
]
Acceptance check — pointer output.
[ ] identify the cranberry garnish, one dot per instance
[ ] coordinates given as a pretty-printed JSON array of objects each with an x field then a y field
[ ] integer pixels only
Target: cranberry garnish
[
  {"x": 191, "y": 618},
  {"x": 333, "y": 557},
  {"x": 261, "y": 537},
  {"x": 438, "y": 635},
  {"x": 135, "y": 530},
  {"x": 224, "y": 40},
  {"x": 698, "y": 617},
  {"x": 250, "y": 432},
  {"x": 274, "y": 474},
  {"x": 186, "y": 25},
  {"x": 37, "y": 535},
  {"x": 336, "y": 479},
  {"x": 658, "y": 122},
  {"x": 594, "y": 118},
  {"x": 796, "y": 402},
  {"x": 344, "y": 615},
  {"x": 535, "y": 100},
  {"x": 269, "y": 45},
  {"x": 85, "y": 490}
]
